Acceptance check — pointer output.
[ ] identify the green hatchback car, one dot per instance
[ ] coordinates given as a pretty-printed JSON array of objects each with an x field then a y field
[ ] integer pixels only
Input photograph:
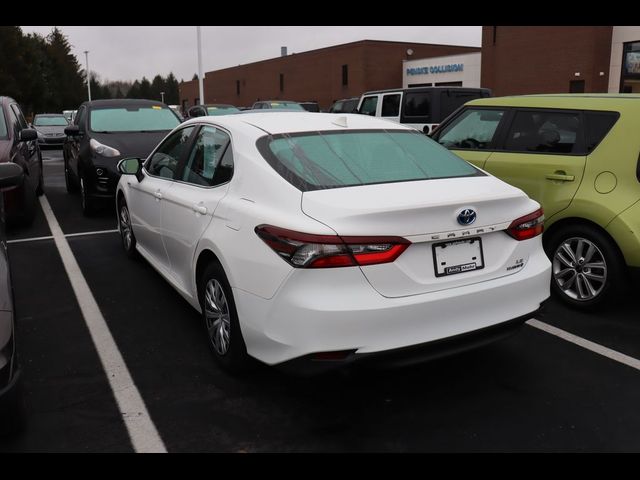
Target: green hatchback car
[{"x": 579, "y": 156}]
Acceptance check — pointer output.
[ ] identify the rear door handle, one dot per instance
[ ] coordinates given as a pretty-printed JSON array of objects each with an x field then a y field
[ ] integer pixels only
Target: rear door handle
[
  {"x": 560, "y": 176},
  {"x": 199, "y": 209}
]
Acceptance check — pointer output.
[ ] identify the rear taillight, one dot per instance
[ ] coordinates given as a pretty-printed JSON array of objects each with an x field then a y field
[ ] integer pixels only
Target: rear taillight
[
  {"x": 304, "y": 250},
  {"x": 527, "y": 227}
]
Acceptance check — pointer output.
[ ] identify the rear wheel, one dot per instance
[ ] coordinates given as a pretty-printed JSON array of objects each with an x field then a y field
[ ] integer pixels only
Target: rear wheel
[
  {"x": 587, "y": 268},
  {"x": 220, "y": 320},
  {"x": 71, "y": 186},
  {"x": 126, "y": 231},
  {"x": 85, "y": 200}
]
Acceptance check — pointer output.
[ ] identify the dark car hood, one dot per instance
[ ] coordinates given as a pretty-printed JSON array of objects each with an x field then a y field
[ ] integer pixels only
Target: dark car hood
[
  {"x": 131, "y": 144},
  {"x": 51, "y": 129}
]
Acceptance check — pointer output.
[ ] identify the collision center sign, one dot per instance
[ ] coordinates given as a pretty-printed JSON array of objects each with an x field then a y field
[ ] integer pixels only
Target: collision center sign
[{"x": 452, "y": 67}]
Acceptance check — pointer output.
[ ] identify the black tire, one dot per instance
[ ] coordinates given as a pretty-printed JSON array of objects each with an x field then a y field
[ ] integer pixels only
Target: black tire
[
  {"x": 72, "y": 187},
  {"x": 85, "y": 201},
  {"x": 126, "y": 230},
  {"x": 234, "y": 359},
  {"x": 586, "y": 291},
  {"x": 40, "y": 187}
]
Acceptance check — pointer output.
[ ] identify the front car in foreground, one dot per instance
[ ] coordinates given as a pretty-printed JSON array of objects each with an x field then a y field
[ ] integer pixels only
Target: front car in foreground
[{"x": 315, "y": 240}]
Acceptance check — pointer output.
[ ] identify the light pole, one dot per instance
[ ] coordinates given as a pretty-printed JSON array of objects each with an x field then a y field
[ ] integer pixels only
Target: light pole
[
  {"x": 200, "y": 83},
  {"x": 86, "y": 54},
  {"x": 162, "y": 93}
]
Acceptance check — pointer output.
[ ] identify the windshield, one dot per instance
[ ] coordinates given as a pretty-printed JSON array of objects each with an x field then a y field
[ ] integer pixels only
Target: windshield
[
  {"x": 133, "y": 119},
  {"x": 287, "y": 105},
  {"x": 222, "y": 110},
  {"x": 58, "y": 121},
  {"x": 317, "y": 160}
]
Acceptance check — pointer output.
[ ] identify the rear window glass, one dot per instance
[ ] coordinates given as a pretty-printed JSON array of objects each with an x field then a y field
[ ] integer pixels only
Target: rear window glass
[
  {"x": 3, "y": 125},
  {"x": 319, "y": 160},
  {"x": 133, "y": 119},
  {"x": 598, "y": 125}
]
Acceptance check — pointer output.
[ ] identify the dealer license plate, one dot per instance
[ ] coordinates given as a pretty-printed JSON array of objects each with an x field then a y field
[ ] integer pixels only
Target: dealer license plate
[{"x": 458, "y": 256}]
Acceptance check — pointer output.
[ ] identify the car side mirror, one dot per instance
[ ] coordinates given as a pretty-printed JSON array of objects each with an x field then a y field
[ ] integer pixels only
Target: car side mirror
[
  {"x": 27, "y": 135},
  {"x": 72, "y": 130},
  {"x": 131, "y": 166},
  {"x": 11, "y": 175}
]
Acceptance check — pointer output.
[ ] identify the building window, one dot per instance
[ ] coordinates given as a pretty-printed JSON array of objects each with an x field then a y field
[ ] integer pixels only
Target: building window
[
  {"x": 576, "y": 86},
  {"x": 237, "y": 87},
  {"x": 345, "y": 75},
  {"x": 281, "y": 82},
  {"x": 630, "y": 77}
]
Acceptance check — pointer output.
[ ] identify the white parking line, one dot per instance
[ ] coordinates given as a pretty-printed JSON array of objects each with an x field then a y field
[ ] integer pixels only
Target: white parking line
[
  {"x": 142, "y": 432},
  {"x": 50, "y": 237},
  {"x": 581, "y": 342}
]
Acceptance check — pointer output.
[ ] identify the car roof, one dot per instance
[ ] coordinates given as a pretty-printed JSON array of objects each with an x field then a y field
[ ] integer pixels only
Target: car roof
[
  {"x": 216, "y": 105},
  {"x": 601, "y": 101},
  {"x": 257, "y": 123},
  {"x": 422, "y": 89},
  {"x": 123, "y": 102}
]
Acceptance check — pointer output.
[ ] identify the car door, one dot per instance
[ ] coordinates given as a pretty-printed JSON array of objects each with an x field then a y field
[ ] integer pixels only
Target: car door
[
  {"x": 146, "y": 197},
  {"x": 71, "y": 148},
  {"x": 472, "y": 134},
  {"x": 391, "y": 106},
  {"x": 28, "y": 150},
  {"x": 188, "y": 207},
  {"x": 542, "y": 153}
]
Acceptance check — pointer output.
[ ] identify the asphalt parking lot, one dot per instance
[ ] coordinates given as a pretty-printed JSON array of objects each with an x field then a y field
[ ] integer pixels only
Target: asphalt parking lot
[{"x": 534, "y": 391}]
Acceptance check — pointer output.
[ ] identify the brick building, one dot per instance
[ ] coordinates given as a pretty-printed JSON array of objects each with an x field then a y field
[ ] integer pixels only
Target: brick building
[
  {"x": 323, "y": 75},
  {"x": 590, "y": 59}
]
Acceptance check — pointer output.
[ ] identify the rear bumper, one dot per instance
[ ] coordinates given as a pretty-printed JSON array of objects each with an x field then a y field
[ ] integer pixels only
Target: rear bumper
[
  {"x": 337, "y": 310},
  {"x": 403, "y": 357}
]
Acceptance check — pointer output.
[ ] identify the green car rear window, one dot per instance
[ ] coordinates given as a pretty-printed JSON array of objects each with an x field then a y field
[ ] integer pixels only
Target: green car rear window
[{"x": 333, "y": 159}]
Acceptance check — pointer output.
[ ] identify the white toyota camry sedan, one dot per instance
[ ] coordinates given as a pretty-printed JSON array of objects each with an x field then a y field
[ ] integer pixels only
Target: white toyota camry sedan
[{"x": 315, "y": 240}]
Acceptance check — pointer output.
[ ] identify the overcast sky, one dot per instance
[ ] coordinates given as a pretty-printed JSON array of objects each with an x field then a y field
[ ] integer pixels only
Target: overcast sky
[{"x": 128, "y": 53}]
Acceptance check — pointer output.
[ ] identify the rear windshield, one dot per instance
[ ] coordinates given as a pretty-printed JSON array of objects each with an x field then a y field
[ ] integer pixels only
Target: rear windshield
[
  {"x": 50, "y": 121},
  {"x": 318, "y": 160},
  {"x": 133, "y": 119},
  {"x": 288, "y": 106},
  {"x": 222, "y": 110}
]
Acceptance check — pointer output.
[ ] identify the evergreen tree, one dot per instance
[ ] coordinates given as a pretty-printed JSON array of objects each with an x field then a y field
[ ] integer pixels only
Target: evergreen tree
[
  {"x": 172, "y": 90},
  {"x": 145, "y": 88}
]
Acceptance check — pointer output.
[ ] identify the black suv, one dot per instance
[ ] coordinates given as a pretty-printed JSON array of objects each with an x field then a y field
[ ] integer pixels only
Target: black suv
[{"x": 103, "y": 133}]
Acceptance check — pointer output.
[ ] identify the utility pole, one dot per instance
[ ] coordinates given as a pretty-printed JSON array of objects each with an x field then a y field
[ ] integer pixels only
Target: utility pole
[
  {"x": 200, "y": 76},
  {"x": 86, "y": 54}
]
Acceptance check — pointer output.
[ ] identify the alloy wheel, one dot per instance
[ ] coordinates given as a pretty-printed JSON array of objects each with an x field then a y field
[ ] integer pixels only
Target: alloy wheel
[
  {"x": 217, "y": 316},
  {"x": 579, "y": 269},
  {"x": 125, "y": 227}
]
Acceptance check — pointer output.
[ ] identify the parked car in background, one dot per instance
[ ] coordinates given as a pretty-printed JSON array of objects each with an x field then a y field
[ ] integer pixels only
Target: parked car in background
[
  {"x": 310, "y": 106},
  {"x": 211, "y": 109},
  {"x": 50, "y": 128},
  {"x": 11, "y": 175},
  {"x": 422, "y": 108},
  {"x": 19, "y": 144},
  {"x": 346, "y": 105},
  {"x": 278, "y": 105},
  {"x": 578, "y": 156},
  {"x": 314, "y": 241},
  {"x": 105, "y": 131}
]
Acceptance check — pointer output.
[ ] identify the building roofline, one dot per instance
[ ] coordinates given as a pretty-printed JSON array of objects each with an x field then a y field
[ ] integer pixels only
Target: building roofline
[{"x": 471, "y": 49}]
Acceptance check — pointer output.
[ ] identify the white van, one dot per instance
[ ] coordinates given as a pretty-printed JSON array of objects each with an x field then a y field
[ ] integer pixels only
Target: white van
[{"x": 422, "y": 108}]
